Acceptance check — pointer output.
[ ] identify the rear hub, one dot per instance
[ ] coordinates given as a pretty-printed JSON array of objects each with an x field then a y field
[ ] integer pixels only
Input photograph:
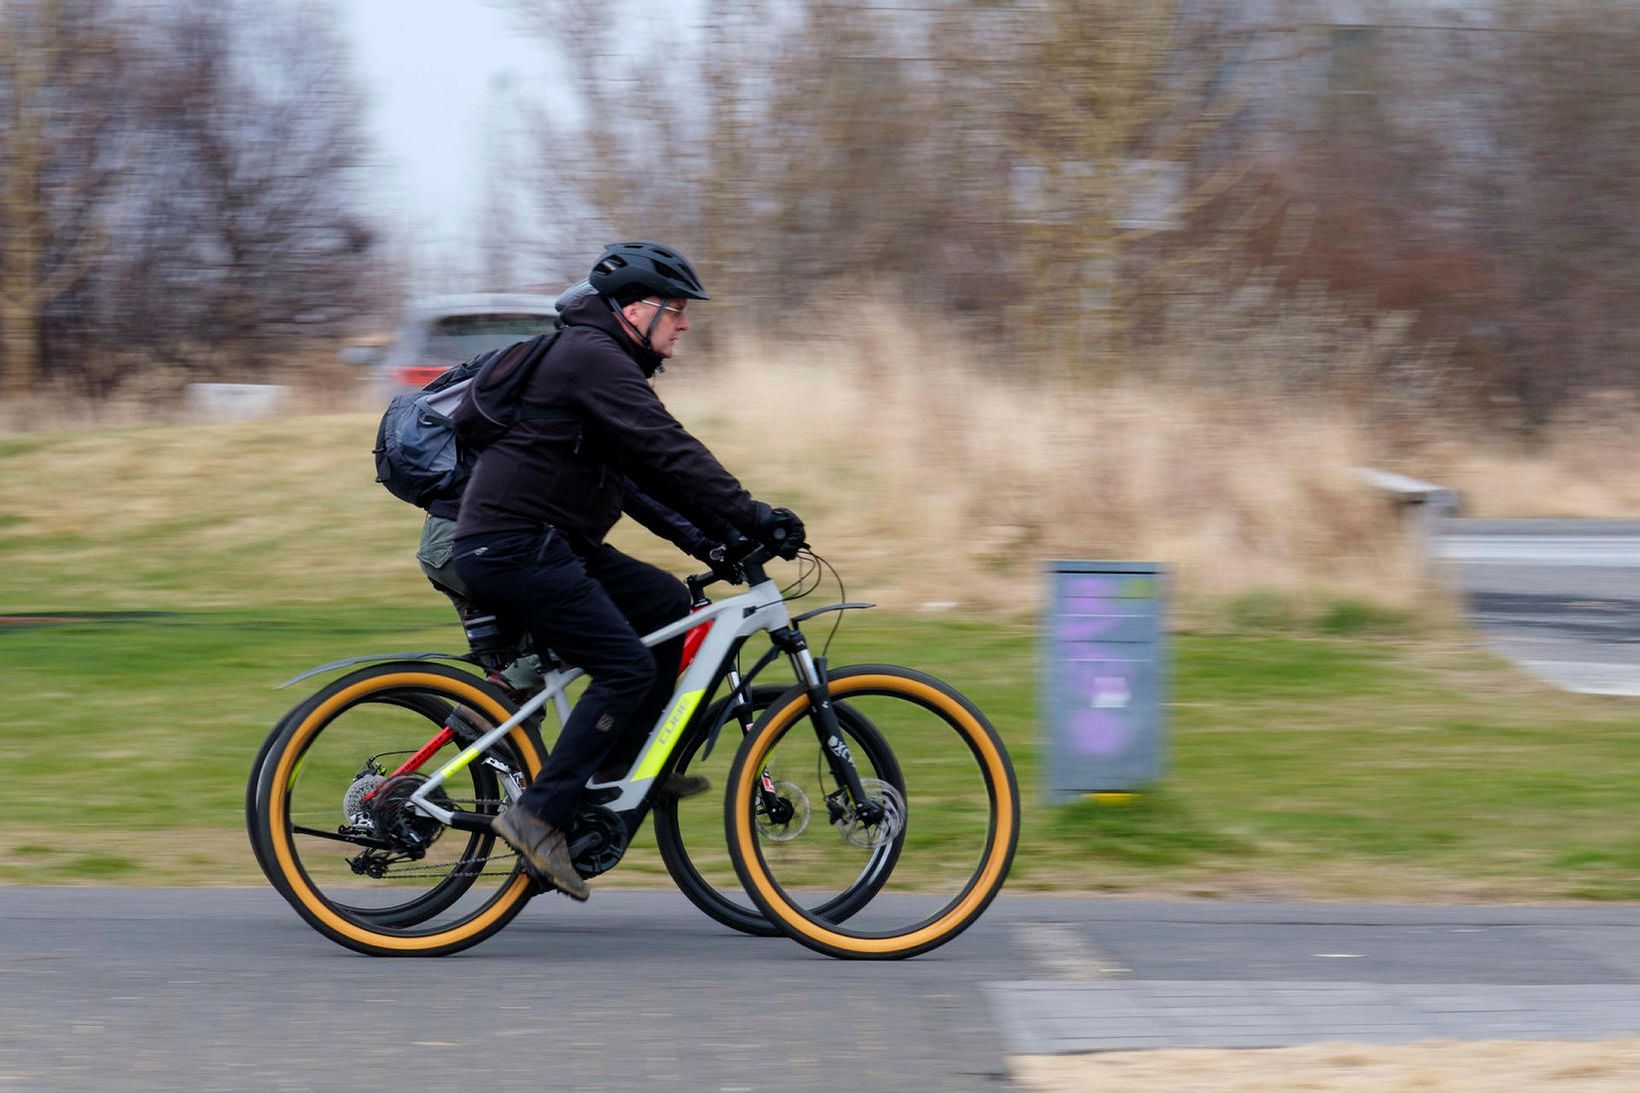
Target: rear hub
[{"x": 398, "y": 821}]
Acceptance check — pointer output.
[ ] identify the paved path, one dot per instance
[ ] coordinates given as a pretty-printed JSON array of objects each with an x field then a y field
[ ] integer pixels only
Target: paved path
[
  {"x": 227, "y": 989},
  {"x": 1271, "y": 975},
  {"x": 1560, "y": 597}
]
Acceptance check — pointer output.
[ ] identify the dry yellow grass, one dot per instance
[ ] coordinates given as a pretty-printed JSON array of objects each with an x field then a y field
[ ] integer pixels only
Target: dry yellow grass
[
  {"x": 1583, "y": 471},
  {"x": 928, "y": 475},
  {"x": 919, "y": 463},
  {"x": 1438, "y": 1066}
]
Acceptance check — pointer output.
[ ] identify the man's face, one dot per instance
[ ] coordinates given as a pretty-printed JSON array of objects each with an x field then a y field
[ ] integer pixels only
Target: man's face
[{"x": 663, "y": 338}]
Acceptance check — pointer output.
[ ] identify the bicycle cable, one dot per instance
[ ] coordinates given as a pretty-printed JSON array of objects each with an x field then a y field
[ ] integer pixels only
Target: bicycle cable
[
  {"x": 813, "y": 565},
  {"x": 842, "y": 597},
  {"x": 805, "y": 569}
]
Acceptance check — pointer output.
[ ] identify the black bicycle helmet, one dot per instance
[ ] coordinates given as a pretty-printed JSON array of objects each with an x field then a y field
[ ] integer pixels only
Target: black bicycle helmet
[{"x": 626, "y": 272}]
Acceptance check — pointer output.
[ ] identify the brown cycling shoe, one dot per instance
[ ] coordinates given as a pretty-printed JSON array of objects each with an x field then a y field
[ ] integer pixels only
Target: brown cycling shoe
[
  {"x": 679, "y": 786},
  {"x": 544, "y": 849}
]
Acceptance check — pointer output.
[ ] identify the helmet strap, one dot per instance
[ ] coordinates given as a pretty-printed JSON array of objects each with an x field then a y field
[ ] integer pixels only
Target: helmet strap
[
  {"x": 654, "y": 321},
  {"x": 642, "y": 335}
]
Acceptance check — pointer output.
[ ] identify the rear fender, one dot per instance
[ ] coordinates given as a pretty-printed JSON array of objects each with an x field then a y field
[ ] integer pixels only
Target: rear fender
[{"x": 370, "y": 658}]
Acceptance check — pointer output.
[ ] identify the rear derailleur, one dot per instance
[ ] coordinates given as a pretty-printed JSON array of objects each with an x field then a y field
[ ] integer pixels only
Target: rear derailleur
[{"x": 402, "y": 831}]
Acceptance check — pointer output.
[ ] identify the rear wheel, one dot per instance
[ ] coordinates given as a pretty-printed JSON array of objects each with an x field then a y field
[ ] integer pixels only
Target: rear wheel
[
  {"x": 255, "y": 781},
  {"x": 337, "y": 835},
  {"x": 689, "y": 833},
  {"x": 437, "y": 714}
]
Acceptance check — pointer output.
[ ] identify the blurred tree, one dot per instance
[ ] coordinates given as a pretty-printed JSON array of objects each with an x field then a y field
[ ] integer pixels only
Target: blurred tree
[
  {"x": 1480, "y": 178},
  {"x": 500, "y": 236},
  {"x": 1055, "y": 173},
  {"x": 990, "y": 161},
  {"x": 247, "y": 214},
  {"x": 177, "y": 184},
  {"x": 1130, "y": 121},
  {"x": 1555, "y": 202},
  {"x": 61, "y": 68}
]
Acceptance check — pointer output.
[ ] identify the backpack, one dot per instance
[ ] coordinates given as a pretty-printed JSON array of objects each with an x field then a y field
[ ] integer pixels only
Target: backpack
[{"x": 428, "y": 439}]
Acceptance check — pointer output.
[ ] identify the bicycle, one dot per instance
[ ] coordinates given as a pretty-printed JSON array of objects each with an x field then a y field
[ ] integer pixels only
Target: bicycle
[
  {"x": 845, "y": 889},
  {"x": 677, "y": 823}
]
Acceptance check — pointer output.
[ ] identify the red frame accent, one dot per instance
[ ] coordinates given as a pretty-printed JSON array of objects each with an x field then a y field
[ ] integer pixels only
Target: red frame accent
[
  {"x": 425, "y": 753},
  {"x": 691, "y": 645}
]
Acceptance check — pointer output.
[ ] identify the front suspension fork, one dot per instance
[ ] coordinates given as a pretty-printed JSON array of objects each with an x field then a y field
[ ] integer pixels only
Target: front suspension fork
[
  {"x": 776, "y": 808},
  {"x": 811, "y": 672}
]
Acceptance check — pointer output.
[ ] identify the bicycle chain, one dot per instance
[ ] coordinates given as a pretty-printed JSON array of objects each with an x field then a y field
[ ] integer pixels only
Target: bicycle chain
[{"x": 429, "y": 870}]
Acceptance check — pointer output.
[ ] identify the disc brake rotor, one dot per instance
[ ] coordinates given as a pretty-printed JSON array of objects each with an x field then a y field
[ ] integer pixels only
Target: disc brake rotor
[
  {"x": 872, "y": 835},
  {"x": 793, "y": 795}
]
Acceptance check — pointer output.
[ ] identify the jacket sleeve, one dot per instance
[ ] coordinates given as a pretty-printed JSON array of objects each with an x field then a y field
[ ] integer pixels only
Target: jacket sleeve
[
  {"x": 667, "y": 462},
  {"x": 662, "y": 521}
]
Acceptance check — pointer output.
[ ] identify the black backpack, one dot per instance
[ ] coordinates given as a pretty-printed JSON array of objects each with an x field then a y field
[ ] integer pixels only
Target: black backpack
[{"x": 428, "y": 439}]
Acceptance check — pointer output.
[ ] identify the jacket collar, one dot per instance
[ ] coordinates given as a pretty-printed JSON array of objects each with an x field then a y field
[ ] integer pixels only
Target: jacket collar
[{"x": 595, "y": 311}]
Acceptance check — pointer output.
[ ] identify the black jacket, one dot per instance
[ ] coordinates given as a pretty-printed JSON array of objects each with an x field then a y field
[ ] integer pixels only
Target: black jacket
[
  {"x": 574, "y": 471},
  {"x": 692, "y": 540}
]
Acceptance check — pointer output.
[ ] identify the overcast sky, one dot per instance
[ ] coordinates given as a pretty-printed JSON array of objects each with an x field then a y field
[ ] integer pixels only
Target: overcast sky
[{"x": 431, "y": 68}]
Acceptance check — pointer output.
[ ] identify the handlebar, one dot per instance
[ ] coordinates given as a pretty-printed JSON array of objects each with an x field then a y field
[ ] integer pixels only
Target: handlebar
[{"x": 747, "y": 554}]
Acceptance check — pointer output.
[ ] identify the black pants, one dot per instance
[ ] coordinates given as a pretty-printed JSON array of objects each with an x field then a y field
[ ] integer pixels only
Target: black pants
[{"x": 591, "y": 609}]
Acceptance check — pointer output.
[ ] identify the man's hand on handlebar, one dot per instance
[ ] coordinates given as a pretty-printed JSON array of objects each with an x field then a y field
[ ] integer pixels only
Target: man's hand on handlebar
[
  {"x": 720, "y": 559},
  {"x": 732, "y": 560},
  {"x": 725, "y": 559},
  {"x": 780, "y": 530}
]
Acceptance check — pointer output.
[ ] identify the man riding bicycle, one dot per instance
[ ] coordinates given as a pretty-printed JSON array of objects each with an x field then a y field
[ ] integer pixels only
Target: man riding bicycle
[{"x": 529, "y": 540}]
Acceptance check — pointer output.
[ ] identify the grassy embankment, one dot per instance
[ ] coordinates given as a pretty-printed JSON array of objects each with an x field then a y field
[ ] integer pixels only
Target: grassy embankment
[{"x": 1332, "y": 735}]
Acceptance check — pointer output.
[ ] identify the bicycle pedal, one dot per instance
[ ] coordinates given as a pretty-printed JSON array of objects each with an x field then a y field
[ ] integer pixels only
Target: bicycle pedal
[{"x": 542, "y": 886}]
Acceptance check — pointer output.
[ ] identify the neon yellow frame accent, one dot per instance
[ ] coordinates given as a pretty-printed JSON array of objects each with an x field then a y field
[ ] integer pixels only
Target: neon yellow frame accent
[
  {"x": 459, "y": 763},
  {"x": 655, "y": 756}
]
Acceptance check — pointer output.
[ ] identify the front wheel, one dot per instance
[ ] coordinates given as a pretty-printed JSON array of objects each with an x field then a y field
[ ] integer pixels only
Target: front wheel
[
  {"x": 689, "y": 833},
  {"x": 954, "y": 816}
]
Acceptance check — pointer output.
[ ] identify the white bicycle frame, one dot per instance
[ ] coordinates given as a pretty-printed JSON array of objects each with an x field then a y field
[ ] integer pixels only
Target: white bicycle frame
[{"x": 759, "y": 608}]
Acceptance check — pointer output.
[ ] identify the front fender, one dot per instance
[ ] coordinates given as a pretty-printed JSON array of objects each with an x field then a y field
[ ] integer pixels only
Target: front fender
[{"x": 851, "y": 606}]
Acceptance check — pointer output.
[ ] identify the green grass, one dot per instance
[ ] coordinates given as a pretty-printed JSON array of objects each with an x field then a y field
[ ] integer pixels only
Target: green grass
[
  {"x": 1316, "y": 747},
  {"x": 1317, "y": 767}
]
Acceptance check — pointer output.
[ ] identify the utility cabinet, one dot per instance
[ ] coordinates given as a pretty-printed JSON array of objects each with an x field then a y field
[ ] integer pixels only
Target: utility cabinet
[{"x": 1105, "y": 657}]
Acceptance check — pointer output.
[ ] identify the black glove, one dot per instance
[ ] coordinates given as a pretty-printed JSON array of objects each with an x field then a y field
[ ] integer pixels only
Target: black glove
[
  {"x": 778, "y": 529},
  {"x": 716, "y": 557}
]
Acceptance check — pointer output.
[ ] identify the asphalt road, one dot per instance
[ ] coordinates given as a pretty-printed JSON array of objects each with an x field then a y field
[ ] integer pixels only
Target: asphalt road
[
  {"x": 1559, "y": 597},
  {"x": 228, "y": 989}
]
